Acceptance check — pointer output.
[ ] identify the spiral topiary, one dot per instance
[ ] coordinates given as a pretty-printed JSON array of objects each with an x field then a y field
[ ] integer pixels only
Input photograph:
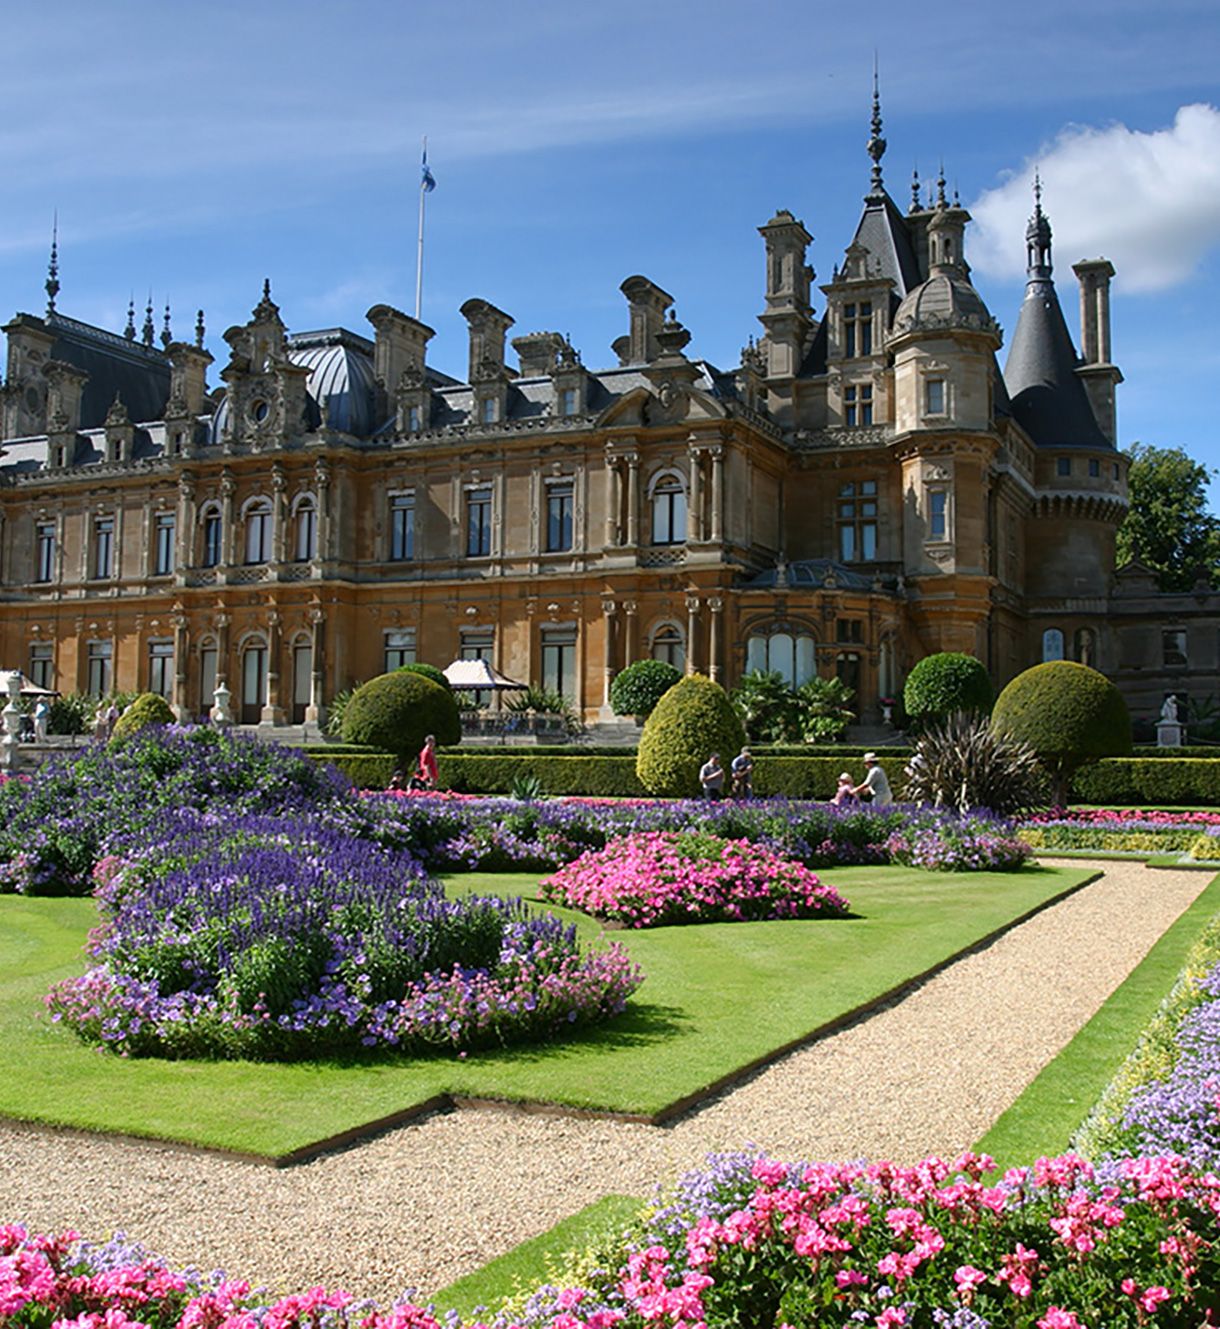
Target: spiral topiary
[
  {"x": 945, "y": 683},
  {"x": 397, "y": 711},
  {"x": 637, "y": 689},
  {"x": 149, "y": 708},
  {"x": 1068, "y": 713},
  {"x": 692, "y": 720}
]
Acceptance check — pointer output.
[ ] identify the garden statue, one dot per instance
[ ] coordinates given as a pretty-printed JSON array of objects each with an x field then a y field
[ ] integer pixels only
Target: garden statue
[
  {"x": 12, "y": 722},
  {"x": 1169, "y": 728}
]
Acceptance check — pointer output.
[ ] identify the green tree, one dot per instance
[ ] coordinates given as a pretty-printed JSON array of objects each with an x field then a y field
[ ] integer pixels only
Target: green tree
[
  {"x": 1168, "y": 526},
  {"x": 690, "y": 722},
  {"x": 638, "y": 688},
  {"x": 768, "y": 707}
]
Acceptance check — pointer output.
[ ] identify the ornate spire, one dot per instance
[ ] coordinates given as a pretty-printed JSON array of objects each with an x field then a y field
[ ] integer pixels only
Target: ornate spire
[
  {"x": 941, "y": 201},
  {"x": 876, "y": 144},
  {"x": 130, "y": 330},
  {"x": 1038, "y": 237},
  {"x": 53, "y": 266},
  {"x": 199, "y": 329},
  {"x": 166, "y": 335},
  {"x": 150, "y": 330},
  {"x": 916, "y": 203}
]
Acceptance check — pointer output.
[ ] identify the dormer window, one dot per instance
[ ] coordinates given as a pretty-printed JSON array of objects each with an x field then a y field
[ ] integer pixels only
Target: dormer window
[
  {"x": 858, "y": 329},
  {"x": 934, "y": 396},
  {"x": 413, "y": 419},
  {"x": 858, "y": 404},
  {"x": 490, "y": 411},
  {"x": 567, "y": 401}
]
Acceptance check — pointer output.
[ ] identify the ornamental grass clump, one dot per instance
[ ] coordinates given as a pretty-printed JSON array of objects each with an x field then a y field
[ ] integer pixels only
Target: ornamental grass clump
[
  {"x": 276, "y": 939},
  {"x": 655, "y": 878}
]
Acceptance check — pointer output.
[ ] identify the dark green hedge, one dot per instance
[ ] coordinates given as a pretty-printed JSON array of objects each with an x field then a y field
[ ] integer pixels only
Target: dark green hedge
[
  {"x": 1131, "y": 781},
  {"x": 365, "y": 769},
  {"x": 494, "y": 773}
]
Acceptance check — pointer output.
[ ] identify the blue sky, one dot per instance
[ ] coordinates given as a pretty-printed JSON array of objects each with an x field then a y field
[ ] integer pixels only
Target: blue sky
[{"x": 192, "y": 149}]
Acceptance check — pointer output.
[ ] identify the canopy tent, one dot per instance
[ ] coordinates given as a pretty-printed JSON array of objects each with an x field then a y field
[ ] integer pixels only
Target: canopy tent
[
  {"x": 472, "y": 675},
  {"x": 28, "y": 689}
]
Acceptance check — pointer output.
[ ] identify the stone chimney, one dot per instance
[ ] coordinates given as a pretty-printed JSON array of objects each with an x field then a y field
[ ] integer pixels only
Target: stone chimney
[
  {"x": 538, "y": 353},
  {"x": 648, "y": 304},
  {"x": 1100, "y": 376},
  {"x": 488, "y": 326},
  {"x": 401, "y": 346}
]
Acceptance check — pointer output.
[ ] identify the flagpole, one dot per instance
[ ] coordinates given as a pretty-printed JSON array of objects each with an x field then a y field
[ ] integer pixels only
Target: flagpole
[{"x": 419, "y": 259}]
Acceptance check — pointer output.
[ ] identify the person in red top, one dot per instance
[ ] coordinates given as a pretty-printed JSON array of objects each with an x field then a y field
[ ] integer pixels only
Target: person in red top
[{"x": 426, "y": 776}]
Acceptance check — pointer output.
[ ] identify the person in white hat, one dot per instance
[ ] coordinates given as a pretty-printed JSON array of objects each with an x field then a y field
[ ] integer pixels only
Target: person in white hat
[{"x": 876, "y": 783}]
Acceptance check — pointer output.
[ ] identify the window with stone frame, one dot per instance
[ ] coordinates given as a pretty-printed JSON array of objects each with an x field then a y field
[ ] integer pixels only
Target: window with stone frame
[
  {"x": 858, "y": 404},
  {"x": 789, "y": 653},
  {"x": 103, "y": 547},
  {"x": 857, "y": 521},
  {"x": 669, "y": 644},
  {"x": 938, "y": 515},
  {"x": 212, "y": 543},
  {"x": 559, "y": 499},
  {"x": 402, "y": 527},
  {"x": 164, "y": 532},
  {"x": 479, "y": 644},
  {"x": 99, "y": 658},
  {"x": 478, "y": 521},
  {"x": 44, "y": 551},
  {"x": 1173, "y": 648},
  {"x": 559, "y": 661},
  {"x": 258, "y": 531},
  {"x": 399, "y": 648},
  {"x": 42, "y": 664},
  {"x": 161, "y": 668},
  {"x": 858, "y": 329},
  {"x": 934, "y": 397},
  {"x": 668, "y": 511},
  {"x": 305, "y": 543}
]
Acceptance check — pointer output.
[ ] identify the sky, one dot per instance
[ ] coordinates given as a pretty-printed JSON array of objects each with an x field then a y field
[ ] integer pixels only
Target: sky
[{"x": 190, "y": 150}]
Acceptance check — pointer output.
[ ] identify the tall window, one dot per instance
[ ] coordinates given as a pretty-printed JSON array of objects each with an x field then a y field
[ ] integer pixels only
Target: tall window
[
  {"x": 161, "y": 667},
  {"x": 938, "y": 514},
  {"x": 1052, "y": 644},
  {"x": 934, "y": 396},
  {"x": 258, "y": 531},
  {"x": 402, "y": 527},
  {"x": 103, "y": 547},
  {"x": 858, "y": 521},
  {"x": 44, "y": 551},
  {"x": 559, "y": 661},
  {"x": 42, "y": 664},
  {"x": 490, "y": 410},
  {"x": 1173, "y": 648},
  {"x": 253, "y": 683},
  {"x": 99, "y": 656},
  {"x": 399, "y": 648},
  {"x": 559, "y": 517},
  {"x": 478, "y": 521},
  {"x": 306, "y": 542},
  {"x": 479, "y": 644},
  {"x": 849, "y": 629},
  {"x": 211, "y": 538},
  {"x": 847, "y": 669},
  {"x": 208, "y": 657},
  {"x": 858, "y": 329},
  {"x": 858, "y": 404},
  {"x": 668, "y": 512},
  {"x": 788, "y": 654},
  {"x": 668, "y": 645},
  {"x": 163, "y": 551}
]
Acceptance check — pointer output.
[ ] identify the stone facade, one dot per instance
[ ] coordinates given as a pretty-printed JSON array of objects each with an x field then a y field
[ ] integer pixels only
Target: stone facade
[{"x": 864, "y": 488}]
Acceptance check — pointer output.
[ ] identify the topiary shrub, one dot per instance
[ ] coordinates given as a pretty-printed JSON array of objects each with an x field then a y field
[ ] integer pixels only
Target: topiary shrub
[
  {"x": 692, "y": 720},
  {"x": 1068, "y": 713},
  {"x": 425, "y": 671},
  {"x": 397, "y": 711},
  {"x": 637, "y": 689},
  {"x": 945, "y": 683},
  {"x": 149, "y": 708}
]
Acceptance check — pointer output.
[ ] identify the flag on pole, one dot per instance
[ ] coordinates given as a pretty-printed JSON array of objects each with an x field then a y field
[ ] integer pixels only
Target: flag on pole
[{"x": 426, "y": 183}]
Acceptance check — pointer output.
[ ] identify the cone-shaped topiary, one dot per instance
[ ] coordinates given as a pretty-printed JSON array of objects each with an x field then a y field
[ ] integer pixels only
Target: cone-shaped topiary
[
  {"x": 691, "y": 721},
  {"x": 637, "y": 689},
  {"x": 945, "y": 683},
  {"x": 1068, "y": 713},
  {"x": 149, "y": 708},
  {"x": 397, "y": 711}
]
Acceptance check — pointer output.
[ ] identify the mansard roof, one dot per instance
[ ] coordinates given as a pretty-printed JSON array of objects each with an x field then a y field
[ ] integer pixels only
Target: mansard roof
[
  {"x": 136, "y": 373},
  {"x": 882, "y": 230}
]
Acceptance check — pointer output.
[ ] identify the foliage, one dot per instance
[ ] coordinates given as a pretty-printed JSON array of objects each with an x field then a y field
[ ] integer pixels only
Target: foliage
[
  {"x": 637, "y": 689},
  {"x": 961, "y": 762},
  {"x": 494, "y": 772},
  {"x": 71, "y": 713},
  {"x": 970, "y": 846},
  {"x": 336, "y": 711},
  {"x": 149, "y": 708},
  {"x": 542, "y": 701},
  {"x": 1119, "y": 781},
  {"x": 365, "y": 770},
  {"x": 946, "y": 682},
  {"x": 426, "y": 671},
  {"x": 397, "y": 711},
  {"x": 276, "y": 938},
  {"x": 526, "y": 788},
  {"x": 1118, "y": 831},
  {"x": 1168, "y": 527},
  {"x": 691, "y": 721},
  {"x": 1068, "y": 713},
  {"x": 824, "y": 709},
  {"x": 659, "y": 877},
  {"x": 767, "y": 707}
]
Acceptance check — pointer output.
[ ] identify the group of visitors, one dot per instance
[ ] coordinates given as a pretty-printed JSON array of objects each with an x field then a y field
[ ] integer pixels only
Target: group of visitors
[
  {"x": 425, "y": 775},
  {"x": 875, "y": 787}
]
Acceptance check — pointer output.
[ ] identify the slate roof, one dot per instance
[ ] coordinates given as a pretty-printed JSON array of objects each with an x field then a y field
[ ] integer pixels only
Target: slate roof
[{"x": 137, "y": 373}]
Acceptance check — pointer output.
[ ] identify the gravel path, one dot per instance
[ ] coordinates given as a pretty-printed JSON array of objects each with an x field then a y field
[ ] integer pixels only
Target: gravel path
[{"x": 431, "y": 1201}]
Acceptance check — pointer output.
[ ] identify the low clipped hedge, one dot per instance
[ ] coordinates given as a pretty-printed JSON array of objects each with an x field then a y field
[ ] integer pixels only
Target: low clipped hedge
[
  {"x": 366, "y": 770},
  {"x": 494, "y": 773},
  {"x": 1131, "y": 781}
]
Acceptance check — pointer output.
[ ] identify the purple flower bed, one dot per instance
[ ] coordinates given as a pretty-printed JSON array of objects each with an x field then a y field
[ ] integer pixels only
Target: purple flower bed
[
  {"x": 275, "y": 938},
  {"x": 659, "y": 877}
]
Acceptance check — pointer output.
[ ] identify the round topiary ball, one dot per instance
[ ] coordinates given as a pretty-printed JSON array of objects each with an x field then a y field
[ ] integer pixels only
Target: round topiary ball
[
  {"x": 149, "y": 708},
  {"x": 397, "y": 711},
  {"x": 945, "y": 683},
  {"x": 637, "y": 689},
  {"x": 691, "y": 721},
  {"x": 1068, "y": 713},
  {"x": 426, "y": 671}
]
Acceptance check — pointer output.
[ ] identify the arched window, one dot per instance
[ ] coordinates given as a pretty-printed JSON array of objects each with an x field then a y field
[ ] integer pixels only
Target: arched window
[
  {"x": 258, "y": 530},
  {"x": 782, "y": 652},
  {"x": 1086, "y": 646},
  {"x": 253, "y": 680},
  {"x": 1052, "y": 644},
  {"x": 302, "y": 676},
  {"x": 305, "y": 519},
  {"x": 211, "y": 542},
  {"x": 668, "y": 511},
  {"x": 669, "y": 644}
]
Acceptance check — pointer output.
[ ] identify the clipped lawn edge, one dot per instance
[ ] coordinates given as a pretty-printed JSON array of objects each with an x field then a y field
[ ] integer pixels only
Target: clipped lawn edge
[
  {"x": 447, "y": 1102},
  {"x": 1043, "y": 1118}
]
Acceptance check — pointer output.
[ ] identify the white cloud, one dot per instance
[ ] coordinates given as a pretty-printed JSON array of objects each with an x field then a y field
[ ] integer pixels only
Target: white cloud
[{"x": 1149, "y": 202}]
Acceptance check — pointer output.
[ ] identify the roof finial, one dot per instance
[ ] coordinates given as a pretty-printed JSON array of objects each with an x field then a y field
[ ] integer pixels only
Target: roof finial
[
  {"x": 940, "y": 186},
  {"x": 149, "y": 330},
  {"x": 266, "y": 288},
  {"x": 166, "y": 335},
  {"x": 1037, "y": 192},
  {"x": 130, "y": 330},
  {"x": 876, "y": 144},
  {"x": 199, "y": 329},
  {"x": 53, "y": 267},
  {"x": 1038, "y": 237},
  {"x": 915, "y": 201}
]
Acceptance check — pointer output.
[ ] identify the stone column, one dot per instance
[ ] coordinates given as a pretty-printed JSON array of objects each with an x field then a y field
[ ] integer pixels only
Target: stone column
[
  {"x": 694, "y": 509},
  {"x": 186, "y": 524},
  {"x": 716, "y": 607},
  {"x": 630, "y": 645},
  {"x": 717, "y": 495},
  {"x": 182, "y": 643},
  {"x": 608, "y": 611},
  {"x": 321, "y": 476},
  {"x": 228, "y": 531},
  {"x": 633, "y": 500},
  {"x": 279, "y": 515},
  {"x": 692, "y": 630},
  {"x": 315, "y": 712},
  {"x": 614, "y": 501},
  {"x": 273, "y": 712},
  {"x": 222, "y": 649}
]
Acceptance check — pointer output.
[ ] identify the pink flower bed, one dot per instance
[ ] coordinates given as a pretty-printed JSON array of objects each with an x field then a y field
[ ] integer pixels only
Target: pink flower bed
[
  {"x": 1117, "y": 816},
  {"x": 659, "y": 877}
]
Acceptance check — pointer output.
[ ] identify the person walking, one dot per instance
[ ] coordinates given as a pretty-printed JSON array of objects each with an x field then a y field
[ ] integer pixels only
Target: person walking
[
  {"x": 711, "y": 777},
  {"x": 427, "y": 773},
  {"x": 42, "y": 714},
  {"x": 876, "y": 783}
]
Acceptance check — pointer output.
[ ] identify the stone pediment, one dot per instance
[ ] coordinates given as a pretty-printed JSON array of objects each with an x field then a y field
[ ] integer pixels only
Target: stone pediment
[{"x": 671, "y": 403}]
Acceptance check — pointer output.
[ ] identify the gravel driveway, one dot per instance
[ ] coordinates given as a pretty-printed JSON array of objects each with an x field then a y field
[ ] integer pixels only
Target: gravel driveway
[{"x": 422, "y": 1205}]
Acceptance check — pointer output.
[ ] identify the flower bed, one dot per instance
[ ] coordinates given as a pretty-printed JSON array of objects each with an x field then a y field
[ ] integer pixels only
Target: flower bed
[
  {"x": 965, "y": 846},
  {"x": 657, "y": 877},
  {"x": 274, "y": 938},
  {"x": 1129, "y": 830}
]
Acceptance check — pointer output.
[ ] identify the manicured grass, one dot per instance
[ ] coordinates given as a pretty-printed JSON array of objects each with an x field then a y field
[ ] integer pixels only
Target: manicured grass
[
  {"x": 527, "y": 1265},
  {"x": 717, "y": 998},
  {"x": 1045, "y": 1116}
]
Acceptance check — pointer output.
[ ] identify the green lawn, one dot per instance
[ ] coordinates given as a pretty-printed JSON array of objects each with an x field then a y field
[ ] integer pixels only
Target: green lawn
[{"x": 717, "y": 998}]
